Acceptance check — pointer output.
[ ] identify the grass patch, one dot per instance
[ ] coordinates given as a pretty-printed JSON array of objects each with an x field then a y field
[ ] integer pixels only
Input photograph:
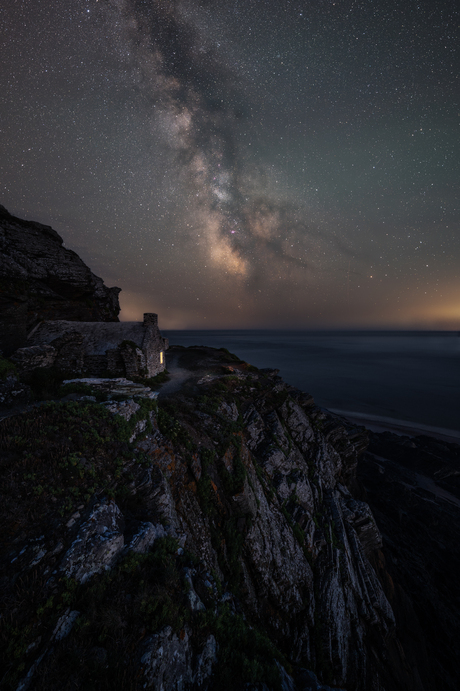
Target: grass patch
[
  {"x": 128, "y": 344},
  {"x": 233, "y": 483},
  {"x": 230, "y": 356},
  {"x": 205, "y": 494},
  {"x": 63, "y": 453},
  {"x": 145, "y": 592},
  {"x": 159, "y": 378},
  {"x": 153, "y": 382},
  {"x": 6, "y": 367},
  {"x": 246, "y": 654},
  {"x": 171, "y": 428}
]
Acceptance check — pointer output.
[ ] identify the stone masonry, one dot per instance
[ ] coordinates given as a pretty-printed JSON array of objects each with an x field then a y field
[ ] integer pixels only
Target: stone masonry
[{"x": 96, "y": 348}]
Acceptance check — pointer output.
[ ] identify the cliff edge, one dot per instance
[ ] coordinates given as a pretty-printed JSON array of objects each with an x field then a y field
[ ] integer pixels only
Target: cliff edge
[
  {"x": 217, "y": 532},
  {"x": 40, "y": 279},
  {"x": 212, "y": 540}
]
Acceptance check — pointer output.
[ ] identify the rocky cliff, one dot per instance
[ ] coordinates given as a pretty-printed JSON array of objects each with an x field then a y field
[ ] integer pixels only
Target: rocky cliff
[
  {"x": 40, "y": 279},
  {"x": 215, "y": 539},
  {"x": 413, "y": 487}
]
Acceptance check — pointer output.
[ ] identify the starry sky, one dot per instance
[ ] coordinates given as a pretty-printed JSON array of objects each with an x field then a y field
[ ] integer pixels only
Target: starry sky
[{"x": 243, "y": 163}]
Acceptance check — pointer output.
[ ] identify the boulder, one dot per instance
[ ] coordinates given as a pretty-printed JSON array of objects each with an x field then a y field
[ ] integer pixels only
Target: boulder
[
  {"x": 13, "y": 393},
  {"x": 28, "y": 359}
]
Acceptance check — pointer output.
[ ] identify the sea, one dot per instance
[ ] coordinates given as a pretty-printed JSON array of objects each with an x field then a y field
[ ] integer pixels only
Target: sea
[{"x": 386, "y": 379}]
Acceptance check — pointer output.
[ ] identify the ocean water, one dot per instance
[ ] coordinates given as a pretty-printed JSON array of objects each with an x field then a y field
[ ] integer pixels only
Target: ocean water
[{"x": 402, "y": 375}]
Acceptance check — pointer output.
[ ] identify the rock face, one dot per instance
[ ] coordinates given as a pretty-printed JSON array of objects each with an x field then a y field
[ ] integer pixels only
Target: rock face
[
  {"x": 40, "y": 279},
  {"x": 169, "y": 662},
  {"x": 219, "y": 539},
  {"x": 13, "y": 393},
  {"x": 413, "y": 487},
  {"x": 99, "y": 541}
]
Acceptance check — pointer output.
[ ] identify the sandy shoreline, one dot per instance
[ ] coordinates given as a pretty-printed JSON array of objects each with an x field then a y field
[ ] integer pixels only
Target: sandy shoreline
[{"x": 402, "y": 427}]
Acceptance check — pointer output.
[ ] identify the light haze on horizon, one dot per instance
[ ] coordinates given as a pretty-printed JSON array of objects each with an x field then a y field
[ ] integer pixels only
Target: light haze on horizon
[{"x": 256, "y": 164}]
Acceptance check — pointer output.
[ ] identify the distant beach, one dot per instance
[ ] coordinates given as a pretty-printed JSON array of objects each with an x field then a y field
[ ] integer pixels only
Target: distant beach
[{"x": 386, "y": 379}]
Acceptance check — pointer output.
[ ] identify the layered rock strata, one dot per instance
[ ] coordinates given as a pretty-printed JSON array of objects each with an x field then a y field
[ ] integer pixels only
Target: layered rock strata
[
  {"x": 227, "y": 545},
  {"x": 413, "y": 487}
]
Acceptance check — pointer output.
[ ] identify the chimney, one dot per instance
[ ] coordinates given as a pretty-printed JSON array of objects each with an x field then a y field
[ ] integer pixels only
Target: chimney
[{"x": 151, "y": 319}]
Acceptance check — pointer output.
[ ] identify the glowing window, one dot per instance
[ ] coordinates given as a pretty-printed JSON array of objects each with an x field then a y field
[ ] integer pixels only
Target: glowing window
[{"x": 161, "y": 357}]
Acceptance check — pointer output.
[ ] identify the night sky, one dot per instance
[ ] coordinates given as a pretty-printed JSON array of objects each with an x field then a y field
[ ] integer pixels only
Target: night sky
[{"x": 243, "y": 163}]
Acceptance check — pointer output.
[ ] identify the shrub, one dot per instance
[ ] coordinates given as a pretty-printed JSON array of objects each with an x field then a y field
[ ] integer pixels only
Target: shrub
[
  {"x": 45, "y": 382},
  {"x": 171, "y": 428},
  {"x": 246, "y": 654},
  {"x": 159, "y": 378},
  {"x": 6, "y": 367},
  {"x": 230, "y": 356}
]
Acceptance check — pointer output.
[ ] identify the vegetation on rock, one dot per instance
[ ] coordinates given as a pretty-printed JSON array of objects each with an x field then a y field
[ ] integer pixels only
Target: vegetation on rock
[
  {"x": 6, "y": 367},
  {"x": 221, "y": 524}
]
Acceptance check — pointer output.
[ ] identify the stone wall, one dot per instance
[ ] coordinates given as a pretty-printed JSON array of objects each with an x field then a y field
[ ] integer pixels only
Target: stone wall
[
  {"x": 153, "y": 345},
  {"x": 96, "y": 348}
]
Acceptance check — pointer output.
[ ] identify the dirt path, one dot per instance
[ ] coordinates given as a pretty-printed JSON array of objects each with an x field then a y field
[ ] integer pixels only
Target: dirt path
[{"x": 178, "y": 376}]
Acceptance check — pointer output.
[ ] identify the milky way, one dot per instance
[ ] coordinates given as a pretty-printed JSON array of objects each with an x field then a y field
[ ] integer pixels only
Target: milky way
[{"x": 243, "y": 164}]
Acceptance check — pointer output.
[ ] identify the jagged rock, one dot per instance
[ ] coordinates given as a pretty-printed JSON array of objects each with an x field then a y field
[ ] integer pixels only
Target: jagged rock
[
  {"x": 139, "y": 427},
  {"x": 278, "y": 534},
  {"x": 282, "y": 572},
  {"x": 154, "y": 487},
  {"x": 145, "y": 537},
  {"x": 40, "y": 279},
  {"x": 254, "y": 426},
  {"x": 194, "y": 600},
  {"x": 229, "y": 410},
  {"x": 328, "y": 463},
  {"x": 98, "y": 543},
  {"x": 299, "y": 425},
  {"x": 31, "y": 357},
  {"x": 419, "y": 561},
  {"x": 275, "y": 460},
  {"x": 276, "y": 428},
  {"x": 65, "y": 624},
  {"x": 206, "y": 661},
  {"x": 124, "y": 408},
  {"x": 13, "y": 392},
  {"x": 245, "y": 500},
  {"x": 360, "y": 516},
  {"x": 169, "y": 663},
  {"x": 116, "y": 387}
]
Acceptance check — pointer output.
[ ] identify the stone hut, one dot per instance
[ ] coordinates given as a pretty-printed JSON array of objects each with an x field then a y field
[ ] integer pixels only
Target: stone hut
[{"x": 96, "y": 348}]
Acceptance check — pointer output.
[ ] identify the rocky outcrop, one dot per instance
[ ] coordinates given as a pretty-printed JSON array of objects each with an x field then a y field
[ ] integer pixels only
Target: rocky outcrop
[
  {"x": 13, "y": 393},
  {"x": 118, "y": 387},
  {"x": 226, "y": 542},
  {"x": 97, "y": 545},
  {"x": 169, "y": 661},
  {"x": 40, "y": 279}
]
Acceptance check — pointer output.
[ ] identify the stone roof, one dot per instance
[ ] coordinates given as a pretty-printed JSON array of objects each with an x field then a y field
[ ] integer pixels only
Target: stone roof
[{"x": 97, "y": 336}]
